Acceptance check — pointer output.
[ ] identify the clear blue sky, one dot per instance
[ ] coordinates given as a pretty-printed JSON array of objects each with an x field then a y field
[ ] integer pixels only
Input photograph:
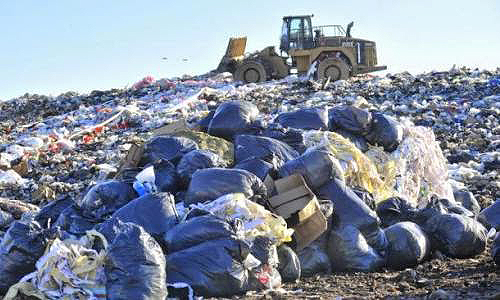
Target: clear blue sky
[{"x": 50, "y": 46}]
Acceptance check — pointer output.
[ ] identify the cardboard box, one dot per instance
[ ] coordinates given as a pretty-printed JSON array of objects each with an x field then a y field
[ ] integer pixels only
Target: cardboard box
[
  {"x": 310, "y": 229},
  {"x": 171, "y": 128},
  {"x": 132, "y": 159},
  {"x": 293, "y": 195},
  {"x": 294, "y": 200}
]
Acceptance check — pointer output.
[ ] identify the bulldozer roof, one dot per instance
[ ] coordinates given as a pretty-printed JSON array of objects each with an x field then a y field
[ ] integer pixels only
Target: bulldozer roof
[{"x": 301, "y": 16}]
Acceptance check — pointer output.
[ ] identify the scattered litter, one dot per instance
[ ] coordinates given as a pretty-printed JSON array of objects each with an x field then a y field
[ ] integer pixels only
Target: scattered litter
[{"x": 380, "y": 158}]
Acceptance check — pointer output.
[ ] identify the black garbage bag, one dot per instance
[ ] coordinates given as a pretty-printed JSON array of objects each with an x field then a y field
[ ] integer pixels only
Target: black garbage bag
[
  {"x": 232, "y": 118},
  {"x": 199, "y": 229},
  {"x": 49, "y": 213},
  {"x": 268, "y": 149},
  {"x": 289, "y": 264},
  {"x": 112, "y": 227},
  {"x": 155, "y": 213},
  {"x": 258, "y": 167},
  {"x": 385, "y": 132},
  {"x": 365, "y": 196},
  {"x": 105, "y": 198},
  {"x": 349, "y": 209},
  {"x": 314, "y": 258},
  {"x": 455, "y": 207},
  {"x": 213, "y": 268},
  {"x": 128, "y": 175},
  {"x": 408, "y": 245},
  {"x": 349, "y": 251},
  {"x": 72, "y": 221},
  {"x": 180, "y": 196},
  {"x": 358, "y": 140},
  {"x": 490, "y": 216},
  {"x": 439, "y": 206},
  {"x": 166, "y": 179},
  {"x": 350, "y": 118},
  {"x": 304, "y": 118},
  {"x": 209, "y": 184},
  {"x": 23, "y": 244},
  {"x": 196, "y": 212},
  {"x": 167, "y": 148},
  {"x": 394, "y": 210},
  {"x": 264, "y": 249},
  {"x": 135, "y": 266},
  {"x": 290, "y": 136},
  {"x": 495, "y": 250},
  {"x": 455, "y": 235},
  {"x": 467, "y": 200},
  {"x": 196, "y": 160},
  {"x": 317, "y": 166}
]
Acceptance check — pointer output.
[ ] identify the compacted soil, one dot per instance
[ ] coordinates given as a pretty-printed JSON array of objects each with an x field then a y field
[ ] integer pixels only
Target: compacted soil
[{"x": 438, "y": 278}]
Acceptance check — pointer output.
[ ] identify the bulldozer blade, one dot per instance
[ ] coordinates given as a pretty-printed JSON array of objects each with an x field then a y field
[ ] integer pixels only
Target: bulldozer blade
[
  {"x": 236, "y": 47},
  {"x": 235, "y": 50}
]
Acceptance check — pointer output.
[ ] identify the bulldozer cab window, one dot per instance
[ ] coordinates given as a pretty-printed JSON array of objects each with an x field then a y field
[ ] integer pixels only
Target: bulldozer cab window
[
  {"x": 296, "y": 33},
  {"x": 284, "y": 42}
]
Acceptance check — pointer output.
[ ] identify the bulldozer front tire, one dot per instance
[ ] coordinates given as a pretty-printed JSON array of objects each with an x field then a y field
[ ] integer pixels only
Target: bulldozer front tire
[
  {"x": 334, "y": 68},
  {"x": 252, "y": 71}
]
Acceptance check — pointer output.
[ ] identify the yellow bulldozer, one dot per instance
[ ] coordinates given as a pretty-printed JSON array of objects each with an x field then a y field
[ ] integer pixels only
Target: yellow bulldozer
[{"x": 325, "y": 52}]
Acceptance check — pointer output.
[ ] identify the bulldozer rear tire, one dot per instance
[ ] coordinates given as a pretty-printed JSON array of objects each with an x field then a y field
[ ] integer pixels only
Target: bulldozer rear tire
[
  {"x": 334, "y": 68},
  {"x": 252, "y": 71}
]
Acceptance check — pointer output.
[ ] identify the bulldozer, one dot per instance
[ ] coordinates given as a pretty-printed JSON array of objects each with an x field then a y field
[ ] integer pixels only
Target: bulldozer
[{"x": 325, "y": 52}]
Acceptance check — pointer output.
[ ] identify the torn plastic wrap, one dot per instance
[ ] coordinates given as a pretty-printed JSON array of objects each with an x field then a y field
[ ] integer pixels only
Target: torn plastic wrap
[
  {"x": 422, "y": 169},
  {"x": 256, "y": 219},
  {"x": 358, "y": 169},
  {"x": 69, "y": 269}
]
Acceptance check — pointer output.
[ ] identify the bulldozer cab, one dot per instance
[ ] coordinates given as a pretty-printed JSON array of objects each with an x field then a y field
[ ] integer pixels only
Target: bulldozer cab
[{"x": 296, "y": 33}]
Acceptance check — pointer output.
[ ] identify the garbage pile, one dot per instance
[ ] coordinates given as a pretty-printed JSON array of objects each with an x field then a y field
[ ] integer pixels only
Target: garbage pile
[{"x": 201, "y": 186}]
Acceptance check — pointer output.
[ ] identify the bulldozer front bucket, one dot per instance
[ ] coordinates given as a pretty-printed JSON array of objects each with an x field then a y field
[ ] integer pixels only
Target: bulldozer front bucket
[
  {"x": 235, "y": 51},
  {"x": 236, "y": 47}
]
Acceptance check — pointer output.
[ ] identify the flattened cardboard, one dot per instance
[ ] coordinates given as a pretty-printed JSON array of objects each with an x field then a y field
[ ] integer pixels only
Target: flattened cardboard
[
  {"x": 171, "y": 128},
  {"x": 132, "y": 159},
  {"x": 289, "y": 182},
  {"x": 293, "y": 195},
  {"x": 309, "y": 230}
]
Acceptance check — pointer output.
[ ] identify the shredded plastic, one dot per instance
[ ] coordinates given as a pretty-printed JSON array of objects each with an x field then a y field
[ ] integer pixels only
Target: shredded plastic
[
  {"x": 69, "y": 269},
  {"x": 358, "y": 169},
  {"x": 421, "y": 166},
  {"x": 256, "y": 219}
]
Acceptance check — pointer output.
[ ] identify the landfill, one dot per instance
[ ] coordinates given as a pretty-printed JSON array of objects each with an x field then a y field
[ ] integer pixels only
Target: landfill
[{"x": 202, "y": 186}]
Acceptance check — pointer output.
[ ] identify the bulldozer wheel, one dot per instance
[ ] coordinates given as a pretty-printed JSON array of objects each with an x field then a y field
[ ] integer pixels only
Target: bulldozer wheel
[
  {"x": 251, "y": 72},
  {"x": 334, "y": 68}
]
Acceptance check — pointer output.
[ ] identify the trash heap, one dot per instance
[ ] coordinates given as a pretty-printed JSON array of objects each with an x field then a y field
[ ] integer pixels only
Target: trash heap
[{"x": 201, "y": 186}]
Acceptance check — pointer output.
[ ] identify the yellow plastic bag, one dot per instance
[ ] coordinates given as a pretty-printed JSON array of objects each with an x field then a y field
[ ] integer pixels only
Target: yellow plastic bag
[{"x": 359, "y": 170}]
